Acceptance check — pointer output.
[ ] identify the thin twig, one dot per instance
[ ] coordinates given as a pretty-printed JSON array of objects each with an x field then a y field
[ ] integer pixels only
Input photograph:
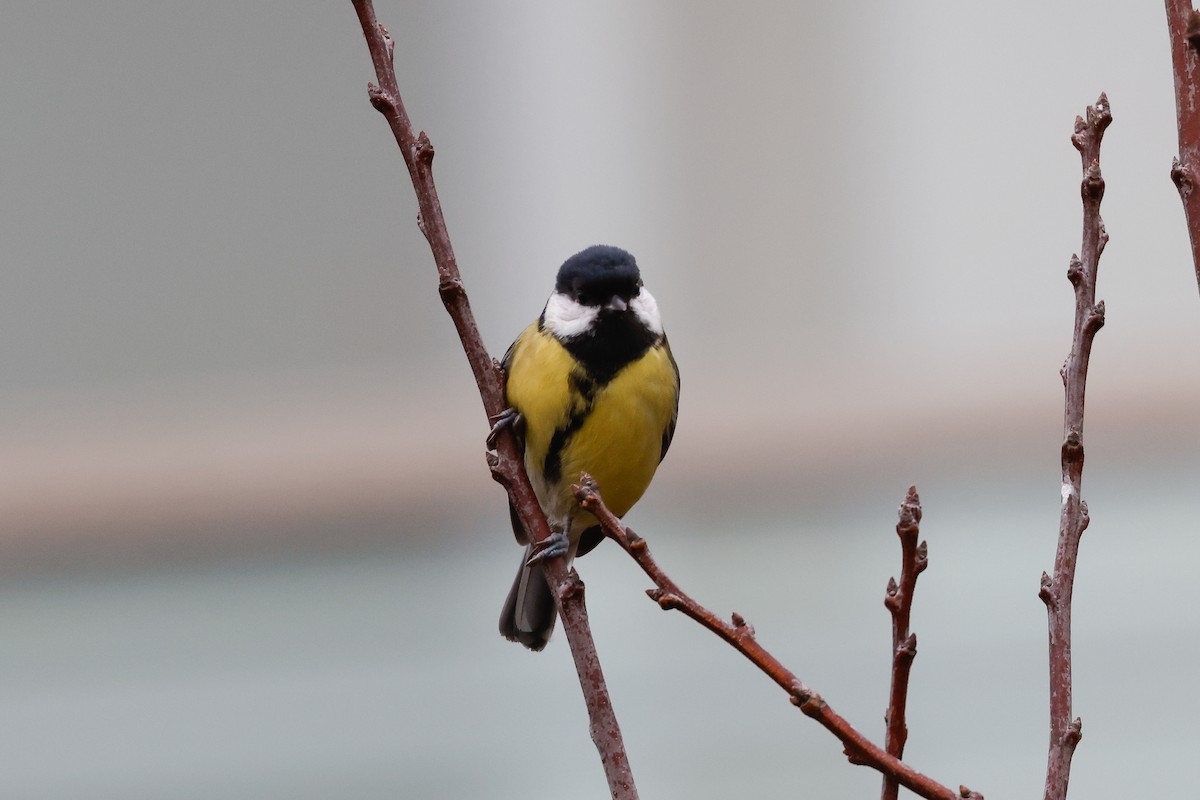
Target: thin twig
[
  {"x": 506, "y": 464},
  {"x": 1056, "y": 591},
  {"x": 913, "y": 561},
  {"x": 740, "y": 635},
  {"x": 1183, "y": 23}
]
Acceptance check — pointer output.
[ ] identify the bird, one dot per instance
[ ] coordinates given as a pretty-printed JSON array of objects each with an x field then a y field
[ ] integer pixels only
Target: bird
[{"x": 590, "y": 386}]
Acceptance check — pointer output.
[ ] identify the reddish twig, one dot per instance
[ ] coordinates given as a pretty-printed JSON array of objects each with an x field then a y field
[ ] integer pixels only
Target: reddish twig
[
  {"x": 1183, "y": 23},
  {"x": 1056, "y": 591},
  {"x": 740, "y": 635},
  {"x": 506, "y": 464},
  {"x": 913, "y": 561}
]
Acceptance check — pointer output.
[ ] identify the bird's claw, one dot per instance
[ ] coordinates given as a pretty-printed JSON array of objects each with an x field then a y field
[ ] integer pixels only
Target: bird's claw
[
  {"x": 508, "y": 418},
  {"x": 557, "y": 544}
]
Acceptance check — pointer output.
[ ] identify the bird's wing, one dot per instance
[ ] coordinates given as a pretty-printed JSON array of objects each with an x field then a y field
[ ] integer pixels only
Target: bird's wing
[{"x": 669, "y": 432}]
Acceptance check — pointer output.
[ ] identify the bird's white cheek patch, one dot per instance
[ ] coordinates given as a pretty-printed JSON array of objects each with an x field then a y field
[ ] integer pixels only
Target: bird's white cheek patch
[
  {"x": 566, "y": 318},
  {"x": 646, "y": 308}
]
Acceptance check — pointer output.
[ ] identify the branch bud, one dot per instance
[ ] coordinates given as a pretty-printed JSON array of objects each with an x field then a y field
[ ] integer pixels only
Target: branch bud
[
  {"x": 388, "y": 42},
  {"x": 1075, "y": 270},
  {"x": 799, "y": 695},
  {"x": 572, "y": 586},
  {"x": 1100, "y": 115},
  {"x": 743, "y": 627},
  {"x": 1074, "y": 731},
  {"x": 1181, "y": 176},
  {"x": 1079, "y": 137},
  {"x": 666, "y": 601},
  {"x": 1046, "y": 593},
  {"x": 380, "y": 99},
  {"x": 451, "y": 289},
  {"x": 855, "y": 757},
  {"x": 891, "y": 600},
  {"x": 422, "y": 152},
  {"x": 1095, "y": 320},
  {"x": 1072, "y": 445},
  {"x": 1093, "y": 182}
]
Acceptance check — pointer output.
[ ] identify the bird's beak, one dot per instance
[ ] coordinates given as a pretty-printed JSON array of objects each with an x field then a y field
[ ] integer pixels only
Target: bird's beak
[{"x": 616, "y": 303}]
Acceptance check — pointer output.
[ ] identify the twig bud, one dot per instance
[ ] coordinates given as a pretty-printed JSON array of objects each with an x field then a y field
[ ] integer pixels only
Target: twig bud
[
  {"x": 1095, "y": 320},
  {"x": 1181, "y": 176},
  {"x": 380, "y": 99},
  {"x": 574, "y": 585},
  {"x": 1074, "y": 273},
  {"x": 1100, "y": 115},
  {"x": 1079, "y": 137},
  {"x": 854, "y": 757},
  {"x": 450, "y": 289},
  {"x": 891, "y": 600},
  {"x": 913, "y": 499},
  {"x": 422, "y": 151},
  {"x": 1072, "y": 445},
  {"x": 800, "y": 694},
  {"x": 388, "y": 42},
  {"x": 743, "y": 627},
  {"x": 1093, "y": 183},
  {"x": 1046, "y": 592}
]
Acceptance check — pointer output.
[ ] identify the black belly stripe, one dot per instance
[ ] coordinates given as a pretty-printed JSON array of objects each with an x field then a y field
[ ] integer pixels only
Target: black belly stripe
[
  {"x": 615, "y": 341},
  {"x": 583, "y": 388}
]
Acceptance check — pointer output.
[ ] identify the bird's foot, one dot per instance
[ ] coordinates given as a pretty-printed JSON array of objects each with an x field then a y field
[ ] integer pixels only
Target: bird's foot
[
  {"x": 508, "y": 418},
  {"x": 558, "y": 544}
]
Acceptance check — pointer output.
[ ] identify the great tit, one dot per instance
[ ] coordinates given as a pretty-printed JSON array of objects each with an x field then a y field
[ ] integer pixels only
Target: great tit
[{"x": 592, "y": 386}]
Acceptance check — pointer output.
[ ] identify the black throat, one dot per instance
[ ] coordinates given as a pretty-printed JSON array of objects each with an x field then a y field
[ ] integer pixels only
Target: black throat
[{"x": 615, "y": 340}]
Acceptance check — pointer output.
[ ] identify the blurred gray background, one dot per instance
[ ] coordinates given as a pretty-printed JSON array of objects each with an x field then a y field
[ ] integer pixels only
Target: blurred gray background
[{"x": 248, "y": 544}]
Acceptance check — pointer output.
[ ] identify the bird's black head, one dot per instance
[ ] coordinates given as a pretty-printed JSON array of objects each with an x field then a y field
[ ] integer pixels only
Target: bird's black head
[{"x": 592, "y": 277}]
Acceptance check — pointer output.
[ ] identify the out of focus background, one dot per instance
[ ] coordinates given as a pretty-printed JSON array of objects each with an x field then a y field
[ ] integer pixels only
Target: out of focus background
[{"x": 249, "y": 547}]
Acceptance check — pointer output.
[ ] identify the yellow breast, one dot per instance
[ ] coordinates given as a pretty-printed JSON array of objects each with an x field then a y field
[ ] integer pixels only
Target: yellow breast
[{"x": 612, "y": 431}]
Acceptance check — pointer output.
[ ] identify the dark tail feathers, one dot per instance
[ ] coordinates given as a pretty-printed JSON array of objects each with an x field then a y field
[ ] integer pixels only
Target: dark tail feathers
[{"x": 529, "y": 613}]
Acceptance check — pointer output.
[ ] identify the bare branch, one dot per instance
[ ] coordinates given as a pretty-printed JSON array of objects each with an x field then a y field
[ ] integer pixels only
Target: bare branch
[
  {"x": 506, "y": 463},
  {"x": 741, "y": 636},
  {"x": 913, "y": 561},
  {"x": 1183, "y": 23},
  {"x": 1056, "y": 590}
]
